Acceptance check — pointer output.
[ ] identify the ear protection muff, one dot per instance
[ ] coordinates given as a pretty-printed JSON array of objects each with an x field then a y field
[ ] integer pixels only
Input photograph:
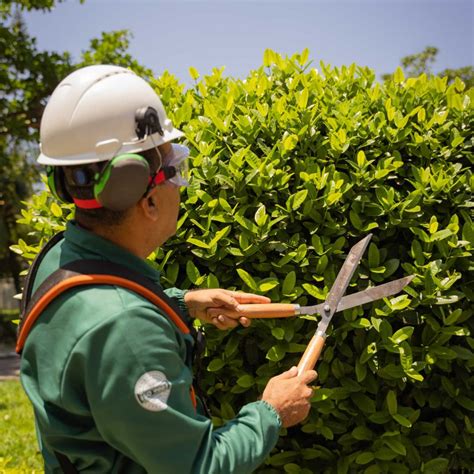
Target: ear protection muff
[
  {"x": 56, "y": 184},
  {"x": 122, "y": 182}
]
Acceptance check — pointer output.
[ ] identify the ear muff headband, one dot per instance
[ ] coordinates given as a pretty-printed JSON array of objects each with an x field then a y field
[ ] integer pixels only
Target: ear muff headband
[{"x": 56, "y": 184}]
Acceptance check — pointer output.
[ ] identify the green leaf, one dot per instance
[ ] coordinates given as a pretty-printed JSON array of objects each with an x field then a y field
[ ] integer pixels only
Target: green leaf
[
  {"x": 374, "y": 255},
  {"x": 292, "y": 468},
  {"x": 278, "y": 333},
  {"x": 289, "y": 283},
  {"x": 364, "y": 458},
  {"x": 361, "y": 159},
  {"x": 245, "y": 381},
  {"x": 441, "y": 235},
  {"x": 247, "y": 278},
  {"x": 227, "y": 412},
  {"x": 276, "y": 353},
  {"x": 398, "y": 76},
  {"x": 218, "y": 236},
  {"x": 402, "y": 420},
  {"x": 303, "y": 59},
  {"x": 363, "y": 402},
  {"x": 465, "y": 402},
  {"x": 391, "y": 267},
  {"x": 462, "y": 352},
  {"x": 402, "y": 334},
  {"x": 385, "y": 454},
  {"x": 245, "y": 223},
  {"x": 361, "y": 371},
  {"x": 299, "y": 198},
  {"x": 192, "y": 272},
  {"x": 268, "y": 57},
  {"x": 321, "y": 394},
  {"x": 421, "y": 115},
  {"x": 457, "y": 140},
  {"x": 261, "y": 215},
  {"x": 453, "y": 317},
  {"x": 56, "y": 210},
  {"x": 435, "y": 466},
  {"x": 400, "y": 302},
  {"x": 193, "y": 73},
  {"x": 396, "y": 446},
  {"x": 231, "y": 345},
  {"x": 197, "y": 243},
  {"x": 355, "y": 220},
  {"x": 362, "y": 433},
  {"x": 425, "y": 440},
  {"x": 327, "y": 432},
  {"x": 392, "y": 402},
  {"x": 267, "y": 284},
  {"x": 215, "y": 365},
  {"x": 212, "y": 281},
  {"x": 290, "y": 142},
  {"x": 314, "y": 291},
  {"x": 303, "y": 99},
  {"x": 417, "y": 252}
]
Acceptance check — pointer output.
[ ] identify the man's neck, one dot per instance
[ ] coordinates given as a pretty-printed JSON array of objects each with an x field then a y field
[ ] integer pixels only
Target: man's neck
[{"x": 123, "y": 236}]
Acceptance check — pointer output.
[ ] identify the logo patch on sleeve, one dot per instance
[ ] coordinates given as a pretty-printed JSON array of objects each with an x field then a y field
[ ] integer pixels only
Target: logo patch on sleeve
[{"x": 152, "y": 391}]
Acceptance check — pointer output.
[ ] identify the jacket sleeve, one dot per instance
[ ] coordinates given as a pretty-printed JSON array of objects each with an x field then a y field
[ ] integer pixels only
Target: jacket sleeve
[
  {"x": 138, "y": 388},
  {"x": 178, "y": 295}
]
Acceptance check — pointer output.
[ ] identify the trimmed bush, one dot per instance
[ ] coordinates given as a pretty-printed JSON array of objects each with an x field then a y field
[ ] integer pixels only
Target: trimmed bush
[{"x": 291, "y": 167}]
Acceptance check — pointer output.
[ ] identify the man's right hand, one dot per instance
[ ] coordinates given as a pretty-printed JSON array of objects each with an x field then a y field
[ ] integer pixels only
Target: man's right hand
[{"x": 289, "y": 394}]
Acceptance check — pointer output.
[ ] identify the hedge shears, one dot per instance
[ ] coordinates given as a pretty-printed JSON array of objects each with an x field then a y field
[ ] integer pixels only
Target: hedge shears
[{"x": 335, "y": 302}]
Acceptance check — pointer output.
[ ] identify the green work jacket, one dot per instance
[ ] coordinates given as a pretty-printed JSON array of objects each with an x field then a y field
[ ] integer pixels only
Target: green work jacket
[{"x": 109, "y": 377}]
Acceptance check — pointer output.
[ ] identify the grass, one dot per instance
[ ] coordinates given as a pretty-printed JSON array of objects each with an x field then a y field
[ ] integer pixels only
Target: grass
[{"x": 18, "y": 446}]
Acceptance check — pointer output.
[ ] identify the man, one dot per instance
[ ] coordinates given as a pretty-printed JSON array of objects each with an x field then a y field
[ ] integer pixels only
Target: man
[{"x": 107, "y": 371}]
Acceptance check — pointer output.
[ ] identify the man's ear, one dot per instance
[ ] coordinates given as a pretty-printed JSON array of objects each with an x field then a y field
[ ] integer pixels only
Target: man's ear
[{"x": 149, "y": 205}]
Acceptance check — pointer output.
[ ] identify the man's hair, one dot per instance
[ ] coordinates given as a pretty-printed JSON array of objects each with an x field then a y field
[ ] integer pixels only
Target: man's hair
[{"x": 91, "y": 218}]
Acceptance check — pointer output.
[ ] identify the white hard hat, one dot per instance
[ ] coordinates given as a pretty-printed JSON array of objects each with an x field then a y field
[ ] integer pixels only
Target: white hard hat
[{"x": 91, "y": 117}]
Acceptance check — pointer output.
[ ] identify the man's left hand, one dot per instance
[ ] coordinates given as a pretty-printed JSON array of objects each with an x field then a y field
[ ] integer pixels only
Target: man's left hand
[{"x": 224, "y": 305}]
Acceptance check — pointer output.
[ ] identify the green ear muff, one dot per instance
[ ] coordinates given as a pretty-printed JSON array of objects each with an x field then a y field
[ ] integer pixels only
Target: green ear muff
[
  {"x": 56, "y": 184},
  {"x": 122, "y": 182}
]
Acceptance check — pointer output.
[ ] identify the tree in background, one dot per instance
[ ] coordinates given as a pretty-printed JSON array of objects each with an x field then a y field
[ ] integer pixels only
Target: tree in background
[
  {"x": 27, "y": 78},
  {"x": 420, "y": 63}
]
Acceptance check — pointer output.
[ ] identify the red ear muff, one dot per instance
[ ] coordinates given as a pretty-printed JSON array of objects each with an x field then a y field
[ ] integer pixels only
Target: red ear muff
[
  {"x": 123, "y": 182},
  {"x": 57, "y": 184}
]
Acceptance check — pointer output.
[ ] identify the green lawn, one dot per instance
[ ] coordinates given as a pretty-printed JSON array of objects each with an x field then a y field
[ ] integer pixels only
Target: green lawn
[{"x": 18, "y": 446}]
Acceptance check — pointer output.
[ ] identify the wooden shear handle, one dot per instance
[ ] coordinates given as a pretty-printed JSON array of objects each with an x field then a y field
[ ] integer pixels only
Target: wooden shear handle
[
  {"x": 311, "y": 354},
  {"x": 258, "y": 310}
]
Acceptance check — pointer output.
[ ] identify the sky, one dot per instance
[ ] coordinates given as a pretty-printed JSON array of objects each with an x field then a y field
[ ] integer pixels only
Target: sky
[{"x": 174, "y": 35}]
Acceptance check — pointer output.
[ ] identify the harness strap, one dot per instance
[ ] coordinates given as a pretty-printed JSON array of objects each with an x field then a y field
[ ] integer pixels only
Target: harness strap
[
  {"x": 94, "y": 272},
  {"x": 30, "y": 278}
]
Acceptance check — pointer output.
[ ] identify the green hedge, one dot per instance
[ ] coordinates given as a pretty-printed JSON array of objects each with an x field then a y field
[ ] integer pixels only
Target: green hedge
[{"x": 291, "y": 167}]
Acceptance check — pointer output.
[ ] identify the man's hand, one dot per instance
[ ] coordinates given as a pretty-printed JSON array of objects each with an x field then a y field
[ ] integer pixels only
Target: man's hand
[
  {"x": 220, "y": 307},
  {"x": 289, "y": 394}
]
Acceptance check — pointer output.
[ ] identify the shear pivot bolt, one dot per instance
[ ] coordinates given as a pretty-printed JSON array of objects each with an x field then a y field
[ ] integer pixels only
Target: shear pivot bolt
[{"x": 327, "y": 308}]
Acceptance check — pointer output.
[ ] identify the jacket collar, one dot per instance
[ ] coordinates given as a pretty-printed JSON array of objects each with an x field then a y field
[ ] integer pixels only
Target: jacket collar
[{"x": 90, "y": 245}]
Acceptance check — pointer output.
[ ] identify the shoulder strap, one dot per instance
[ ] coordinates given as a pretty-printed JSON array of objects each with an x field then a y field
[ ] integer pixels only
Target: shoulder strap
[
  {"x": 30, "y": 278},
  {"x": 95, "y": 272}
]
